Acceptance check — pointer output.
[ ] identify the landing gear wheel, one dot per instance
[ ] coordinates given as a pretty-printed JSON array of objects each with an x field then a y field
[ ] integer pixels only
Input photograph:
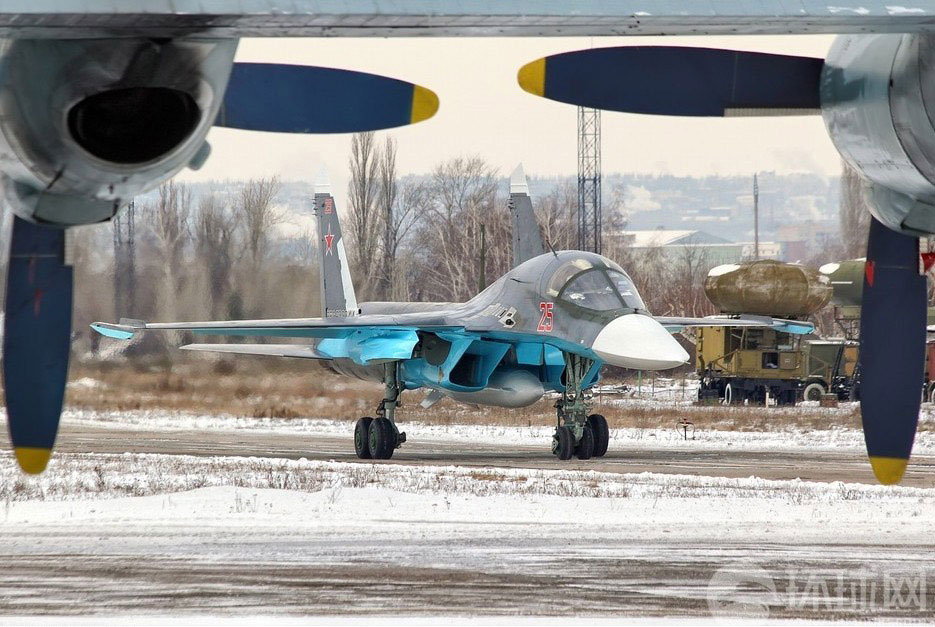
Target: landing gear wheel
[
  {"x": 813, "y": 392},
  {"x": 585, "y": 448},
  {"x": 601, "y": 433},
  {"x": 362, "y": 437},
  {"x": 382, "y": 438},
  {"x": 563, "y": 443}
]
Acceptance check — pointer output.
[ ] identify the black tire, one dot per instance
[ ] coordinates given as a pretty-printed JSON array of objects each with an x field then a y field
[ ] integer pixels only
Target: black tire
[
  {"x": 585, "y": 448},
  {"x": 381, "y": 438},
  {"x": 813, "y": 392},
  {"x": 362, "y": 438},
  {"x": 601, "y": 433},
  {"x": 563, "y": 443},
  {"x": 733, "y": 395}
]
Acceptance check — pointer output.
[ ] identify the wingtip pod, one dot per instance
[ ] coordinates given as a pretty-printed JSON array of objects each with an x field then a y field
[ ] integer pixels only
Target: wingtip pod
[
  {"x": 531, "y": 77},
  {"x": 424, "y": 103},
  {"x": 113, "y": 331},
  {"x": 32, "y": 461}
]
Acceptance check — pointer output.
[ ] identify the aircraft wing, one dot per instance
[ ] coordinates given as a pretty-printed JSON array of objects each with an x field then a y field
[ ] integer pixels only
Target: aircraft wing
[
  {"x": 363, "y": 339},
  {"x": 675, "y": 324},
  {"x": 406, "y": 18},
  {"x": 334, "y": 328},
  {"x": 272, "y": 350}
]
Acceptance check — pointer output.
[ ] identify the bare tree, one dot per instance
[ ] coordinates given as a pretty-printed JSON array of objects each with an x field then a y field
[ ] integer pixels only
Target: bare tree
[
  {"x": 463, "y": 196},
  {"x": 259, "y": 215},
  {"x": 556, "y": 215},
  {"x": 401, "y": 205},
  {"x": 364, "y": 217},
  {"x": 388, "y": 193},
  {"x": 854, "y": 215},
  {"x": 170, "y": 226},
  {"x": 215, "y": 231}
]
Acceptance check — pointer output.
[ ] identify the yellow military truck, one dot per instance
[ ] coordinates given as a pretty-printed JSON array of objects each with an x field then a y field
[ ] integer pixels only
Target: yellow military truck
[{"x": 738, "y": 365}]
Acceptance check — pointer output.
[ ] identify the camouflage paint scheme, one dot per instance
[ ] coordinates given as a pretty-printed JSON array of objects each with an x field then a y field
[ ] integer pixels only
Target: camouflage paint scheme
[{"x": 505, "y": 347}]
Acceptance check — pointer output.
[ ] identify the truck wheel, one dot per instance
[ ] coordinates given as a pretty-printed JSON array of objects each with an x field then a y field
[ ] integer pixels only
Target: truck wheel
[
  {"x": 932, "y": 393},
  {"x": 813, "y": 392},
  {"x": 732, "y": 396}
]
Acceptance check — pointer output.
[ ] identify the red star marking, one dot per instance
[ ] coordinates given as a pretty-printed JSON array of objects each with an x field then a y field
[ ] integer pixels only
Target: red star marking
[
  {"x": 869, "y": 270},
  {"x": 329, "y": 238}
]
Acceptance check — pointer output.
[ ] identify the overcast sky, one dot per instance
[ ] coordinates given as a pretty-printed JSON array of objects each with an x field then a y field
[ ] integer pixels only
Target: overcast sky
[{"x": 483, "y": 111}]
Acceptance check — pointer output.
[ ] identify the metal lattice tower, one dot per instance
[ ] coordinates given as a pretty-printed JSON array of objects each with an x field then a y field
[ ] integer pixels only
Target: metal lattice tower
[
  {"x": 589, "y": 179},
  {"x": 124, "y": 261}
]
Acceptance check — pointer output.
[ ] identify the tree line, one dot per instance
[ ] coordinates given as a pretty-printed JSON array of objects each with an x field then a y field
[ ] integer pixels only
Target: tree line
[{"x": 220, "y": 254}]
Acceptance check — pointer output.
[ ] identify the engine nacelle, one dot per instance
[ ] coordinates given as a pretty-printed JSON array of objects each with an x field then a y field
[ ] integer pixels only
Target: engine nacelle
[
  {"x": 878, "y": 102},
  {"x": 86, "y": 125}
]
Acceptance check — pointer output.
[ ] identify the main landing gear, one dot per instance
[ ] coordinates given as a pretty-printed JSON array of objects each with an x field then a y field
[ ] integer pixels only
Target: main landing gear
[
  {"x": 377, "y": 438},
  {"x": 576, "y": 432}
]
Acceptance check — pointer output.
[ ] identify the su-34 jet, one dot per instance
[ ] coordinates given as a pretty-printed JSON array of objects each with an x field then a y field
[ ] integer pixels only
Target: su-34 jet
[{"x": 548, "y": 325}]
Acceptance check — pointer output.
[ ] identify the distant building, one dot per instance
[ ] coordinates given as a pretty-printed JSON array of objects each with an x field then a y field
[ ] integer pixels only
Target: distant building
[{"x": 677, "y": 244}]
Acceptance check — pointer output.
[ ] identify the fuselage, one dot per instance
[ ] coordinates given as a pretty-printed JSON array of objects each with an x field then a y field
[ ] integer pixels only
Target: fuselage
[{"x": 516, "y": 332}]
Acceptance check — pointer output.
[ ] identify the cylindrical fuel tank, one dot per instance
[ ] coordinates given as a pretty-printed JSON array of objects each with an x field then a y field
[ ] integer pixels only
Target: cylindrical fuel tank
[
  {"x": 847, "y": 281},
  {"x": 767, "y": 288}
]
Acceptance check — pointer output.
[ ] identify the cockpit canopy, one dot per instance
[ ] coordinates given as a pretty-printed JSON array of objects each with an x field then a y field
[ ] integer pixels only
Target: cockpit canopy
[{"x": 586, "y": 285}]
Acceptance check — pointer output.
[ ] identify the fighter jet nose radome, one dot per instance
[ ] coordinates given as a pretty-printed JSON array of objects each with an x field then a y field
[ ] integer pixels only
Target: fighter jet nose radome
[{"x": 638, "y": 342}]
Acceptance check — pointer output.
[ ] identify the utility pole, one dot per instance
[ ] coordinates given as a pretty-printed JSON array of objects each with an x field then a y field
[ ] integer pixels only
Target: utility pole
[
  {"x": 125, "y": 261},
  {"x": 756, "y": 219},
  {"x": 482, "y": 271},
  {"x": 589, "y": 179}
]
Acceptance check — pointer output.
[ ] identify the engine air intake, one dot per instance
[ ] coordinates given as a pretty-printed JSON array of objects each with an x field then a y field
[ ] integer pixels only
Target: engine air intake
[{"x": 133, "y": 125}]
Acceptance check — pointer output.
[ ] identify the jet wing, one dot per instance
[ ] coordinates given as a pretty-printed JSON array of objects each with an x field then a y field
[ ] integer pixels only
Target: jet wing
[
  {"x": 407, "y": 18},
  {"x": 272, "y": 350},
  {"x": 363, "y": 339},
  {"x": 674, "y": 324},
  {"x": 334, "y": 328}
]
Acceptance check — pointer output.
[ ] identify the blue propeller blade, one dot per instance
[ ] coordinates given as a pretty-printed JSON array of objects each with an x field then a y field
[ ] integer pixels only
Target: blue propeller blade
[
  {"x": 892, "y": 349},
  {"x": 304, "y": 99},
  {"x": 669, "y": 80},
  {"x": 36, "y": 340}
]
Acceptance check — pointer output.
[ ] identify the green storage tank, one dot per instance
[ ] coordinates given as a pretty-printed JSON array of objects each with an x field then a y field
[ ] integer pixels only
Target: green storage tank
[{"x": 767, "y": 288}]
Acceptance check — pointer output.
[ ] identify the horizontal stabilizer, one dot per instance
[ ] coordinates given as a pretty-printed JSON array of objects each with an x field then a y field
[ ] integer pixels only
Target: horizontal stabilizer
[
  {"x": 671, "y": 80},
  {"x": 305, "y": 99},
  {"x": 273, "y": 350}
]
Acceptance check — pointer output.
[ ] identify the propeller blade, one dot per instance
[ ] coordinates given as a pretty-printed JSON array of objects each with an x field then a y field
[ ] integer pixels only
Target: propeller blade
[
  {"x": 892, "y": 349},
  {"x": 36, "y": 340},
  {"x": 304, "y": 99},
  {"x": 671, "y": 80}
]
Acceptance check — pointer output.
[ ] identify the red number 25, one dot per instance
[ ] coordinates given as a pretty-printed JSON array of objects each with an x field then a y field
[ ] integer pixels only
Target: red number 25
[{"x": 545, "y": 321}]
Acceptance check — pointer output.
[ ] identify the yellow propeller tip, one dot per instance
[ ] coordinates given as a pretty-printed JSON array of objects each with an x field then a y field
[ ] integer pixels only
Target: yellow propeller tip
[
  {"x": 32, "y": 460},
  {"x": 424, "y": 103},
  {"x": 531, "y": 77},
  {"x": 888, "y": 470}
]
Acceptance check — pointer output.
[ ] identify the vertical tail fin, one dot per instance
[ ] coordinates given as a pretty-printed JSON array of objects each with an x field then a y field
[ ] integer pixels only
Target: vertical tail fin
[
  {"x": 337, "y": 290},
  {"x": 527, "y": 240}
]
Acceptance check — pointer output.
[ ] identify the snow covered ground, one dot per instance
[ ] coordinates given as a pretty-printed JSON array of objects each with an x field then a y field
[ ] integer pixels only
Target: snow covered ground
[
  {"x": 227, "y": 536},
  {"x": 792, "y": 438}
]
